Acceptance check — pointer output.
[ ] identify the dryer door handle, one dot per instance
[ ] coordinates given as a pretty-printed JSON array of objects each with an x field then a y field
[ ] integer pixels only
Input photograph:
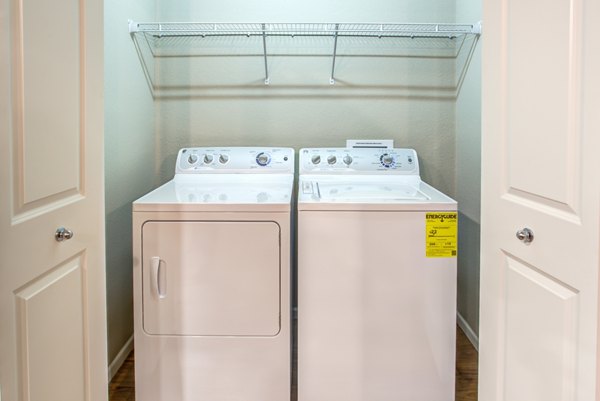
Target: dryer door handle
[{"x": 159, "y": 276}]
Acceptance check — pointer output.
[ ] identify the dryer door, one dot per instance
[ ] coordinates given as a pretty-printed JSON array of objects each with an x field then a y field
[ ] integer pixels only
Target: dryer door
[{"x": 211, "y": 278}]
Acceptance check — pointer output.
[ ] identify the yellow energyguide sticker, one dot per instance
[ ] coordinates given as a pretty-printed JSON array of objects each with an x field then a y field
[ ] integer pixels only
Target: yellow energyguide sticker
[{"x": 440, "y": 234}]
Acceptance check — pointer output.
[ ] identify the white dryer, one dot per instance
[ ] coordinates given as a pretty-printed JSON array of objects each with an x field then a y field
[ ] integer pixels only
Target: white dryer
[
  {"x": 376, "y": 279},
  {"x": 212, "y": 278}
]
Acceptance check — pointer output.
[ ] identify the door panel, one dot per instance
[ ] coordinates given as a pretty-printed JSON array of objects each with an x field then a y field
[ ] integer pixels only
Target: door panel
[
  {"x": 540, "y": 170},
  {"x": 51, "y": 326},
  {"x": 540, "y": 351},
  {"x": 211, "y": 278},
  {"x": 47, "y": 112},
  {"x": 52, "y": 294},
  {"x": 542, "y": 60}
]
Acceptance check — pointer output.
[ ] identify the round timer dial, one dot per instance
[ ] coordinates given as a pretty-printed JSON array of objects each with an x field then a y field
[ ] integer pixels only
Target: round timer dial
[
  {"x": 263, "y": 159},
  {"x": 387, "y": 160}
]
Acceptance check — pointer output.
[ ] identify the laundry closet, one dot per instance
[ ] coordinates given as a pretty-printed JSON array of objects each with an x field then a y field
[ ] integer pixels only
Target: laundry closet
[{"x": 166, "y": 93}]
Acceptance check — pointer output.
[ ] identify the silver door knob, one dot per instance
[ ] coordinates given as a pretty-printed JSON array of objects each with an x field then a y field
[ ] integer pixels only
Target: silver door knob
[
  {"x": 63, "y": 234},
  {"x": 525, "y": 235}
]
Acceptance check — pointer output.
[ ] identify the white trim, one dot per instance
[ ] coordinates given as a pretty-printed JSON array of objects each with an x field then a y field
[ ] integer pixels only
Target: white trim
[
  {"x": 116, "y": 364},
  {"x": 466, "y": 328}
]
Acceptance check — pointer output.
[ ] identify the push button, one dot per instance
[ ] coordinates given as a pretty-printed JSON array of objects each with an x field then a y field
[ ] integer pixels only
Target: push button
[{"x": 307, "y": 187}]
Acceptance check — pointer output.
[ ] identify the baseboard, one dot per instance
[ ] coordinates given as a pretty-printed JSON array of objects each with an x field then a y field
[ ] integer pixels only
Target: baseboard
[
  {"x": 115, "y": 365},
  {"x": 464, "y": 326}
]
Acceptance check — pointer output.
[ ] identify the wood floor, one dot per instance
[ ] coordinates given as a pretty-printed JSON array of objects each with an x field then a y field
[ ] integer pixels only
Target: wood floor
[
  {"x": 122, "y": 387},
  {"x": 466, "y": 368}
]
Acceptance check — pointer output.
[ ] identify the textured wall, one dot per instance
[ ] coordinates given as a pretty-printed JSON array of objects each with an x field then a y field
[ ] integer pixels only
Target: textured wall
[
  {"x": 468, "y": 176},
  {"x": 212, "y": 100},
  {"x": 130, "y": 155},
  {"x": 307, "y": 11}
]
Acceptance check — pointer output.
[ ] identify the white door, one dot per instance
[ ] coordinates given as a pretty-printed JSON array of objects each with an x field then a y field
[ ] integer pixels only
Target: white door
[
  {"x": 52, "y": 294},
  {"x": 541, "y": 170}
]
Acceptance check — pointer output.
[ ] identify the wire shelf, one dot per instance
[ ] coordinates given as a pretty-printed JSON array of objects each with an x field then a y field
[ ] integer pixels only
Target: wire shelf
[
  {"x": 162, "y": 29},
  {"x": 176, "y": 39}
]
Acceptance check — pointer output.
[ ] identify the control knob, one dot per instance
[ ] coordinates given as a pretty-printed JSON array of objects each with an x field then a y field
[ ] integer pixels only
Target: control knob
[
  {"x": 208, "y": 158},
  {"x": 347, "y": 160},
  {"x": 387, "y": 160},
  {"x": 263, "y": 159},
  {"x": 192, "y": 159},
  {"x": 331, "y": 159},
  {"x": 223, "y": 158},
  {"x": 316, "y": 159}
]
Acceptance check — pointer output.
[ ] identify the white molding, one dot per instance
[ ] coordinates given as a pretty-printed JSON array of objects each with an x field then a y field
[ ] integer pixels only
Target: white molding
[
  {"x": 466, "y": 328},
  {"x": 116, "y": 364}
]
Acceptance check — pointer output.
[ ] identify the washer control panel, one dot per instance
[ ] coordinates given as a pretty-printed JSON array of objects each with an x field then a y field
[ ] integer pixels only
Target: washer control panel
[
  {"x": 235, "y": 160},
  {"x": 358, "y": 161}
]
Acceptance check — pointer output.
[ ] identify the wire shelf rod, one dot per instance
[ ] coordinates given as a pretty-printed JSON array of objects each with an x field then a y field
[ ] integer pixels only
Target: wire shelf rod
[
  {"x": 329, "y": 29},
  {"x": 264, "y": 36},
  {"x": 332, "y": 78},
  {"x": 292, "y": 35}
]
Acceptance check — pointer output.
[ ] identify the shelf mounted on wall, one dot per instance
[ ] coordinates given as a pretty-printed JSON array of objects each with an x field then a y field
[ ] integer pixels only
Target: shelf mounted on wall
[{"x": 156, "y": 32}]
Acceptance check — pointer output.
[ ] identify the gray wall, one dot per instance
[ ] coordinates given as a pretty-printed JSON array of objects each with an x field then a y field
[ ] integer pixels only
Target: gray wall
[
  {"x": 468, "y": 176},
  {"x": 130, "y": 159},
  {"x": 224, "y": 102}
]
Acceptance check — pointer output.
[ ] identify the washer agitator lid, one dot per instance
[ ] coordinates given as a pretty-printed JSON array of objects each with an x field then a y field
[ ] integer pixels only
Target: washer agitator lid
[{"x": 365, "y": 179}]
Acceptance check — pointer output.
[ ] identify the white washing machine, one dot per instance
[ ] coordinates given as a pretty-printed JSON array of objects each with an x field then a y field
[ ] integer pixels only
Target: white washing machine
[
  {"x": 212, "y": 278},
  {"x": 376, "y": 279}
]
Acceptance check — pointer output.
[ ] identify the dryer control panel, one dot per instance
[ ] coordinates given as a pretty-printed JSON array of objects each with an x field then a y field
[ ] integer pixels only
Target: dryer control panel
[
  {"x": 358, "y": 161},
  {"x": 230, "y": 160}
]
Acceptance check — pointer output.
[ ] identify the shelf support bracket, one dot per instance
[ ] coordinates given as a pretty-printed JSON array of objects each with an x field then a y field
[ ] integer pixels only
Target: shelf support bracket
[
  {"x": 133, "y": 27},
  {"x": 264, "y": 35},
  {"x": 335, "y": 39}
]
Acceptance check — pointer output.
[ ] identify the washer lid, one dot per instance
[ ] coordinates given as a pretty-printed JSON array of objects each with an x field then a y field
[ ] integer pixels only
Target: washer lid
[
  {"x": 360, "y": 191},
  {"x": 374, "y": 193},
  {"x": 223, "y": 192}
]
